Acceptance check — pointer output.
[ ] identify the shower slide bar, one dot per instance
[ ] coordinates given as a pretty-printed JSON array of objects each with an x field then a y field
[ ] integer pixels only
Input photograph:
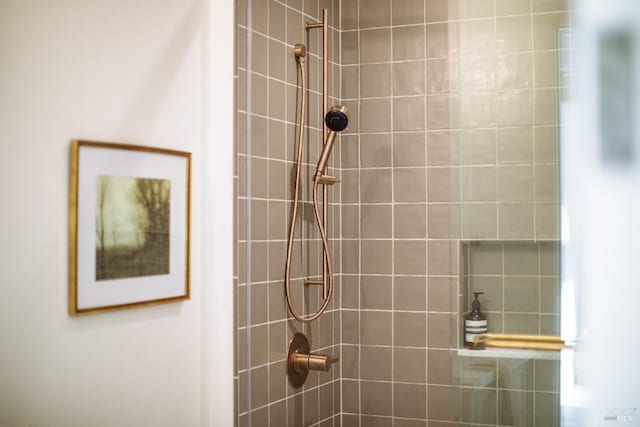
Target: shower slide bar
[{"x": 325, "y": 103}]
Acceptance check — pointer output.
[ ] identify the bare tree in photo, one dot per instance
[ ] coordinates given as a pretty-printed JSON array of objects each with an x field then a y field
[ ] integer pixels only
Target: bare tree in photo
[
  {"x": 102, "y": 187},
  {"x": 132, "y": 227},
  {"x": 153, "y": 199}
]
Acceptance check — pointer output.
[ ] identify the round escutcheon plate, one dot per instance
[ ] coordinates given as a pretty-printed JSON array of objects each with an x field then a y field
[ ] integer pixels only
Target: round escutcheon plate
[{"x": 297, "y": 345}]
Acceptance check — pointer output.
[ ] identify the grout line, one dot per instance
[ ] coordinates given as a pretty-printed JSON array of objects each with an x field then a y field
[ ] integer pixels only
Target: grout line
[
  {"x": 286, "y": 138},
  {"x": 504, "y": 285},
  {"x": 268, "y": 228},
  {"x": 338, "y": 83},
  {"x": 462, "y": 20},
  {"x": 427, "y": 198},
  {"x": 393, "y": 248},
  {"x": 533, "y": 144},
  {"x": 359, "y": 200},
  {"x": 538, "y": 253},
  {"x": 497, "y": 187},
  {"x": 248, "y": 213},
  {"x": 427, "y": 281},
  {"x": 533, "y": 119}
]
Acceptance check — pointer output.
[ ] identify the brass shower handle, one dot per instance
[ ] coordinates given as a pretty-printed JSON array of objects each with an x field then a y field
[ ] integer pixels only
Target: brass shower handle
[
  {"x": 313, "y": 362},
  {"x": 300, "y": 360}
]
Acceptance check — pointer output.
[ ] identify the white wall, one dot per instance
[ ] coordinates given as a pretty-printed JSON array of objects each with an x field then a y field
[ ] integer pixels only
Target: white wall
[{"x": 122, "y": 71}]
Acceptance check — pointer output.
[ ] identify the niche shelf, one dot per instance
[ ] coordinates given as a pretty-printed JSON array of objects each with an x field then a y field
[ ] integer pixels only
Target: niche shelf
[{"x": 510, "y": 353}]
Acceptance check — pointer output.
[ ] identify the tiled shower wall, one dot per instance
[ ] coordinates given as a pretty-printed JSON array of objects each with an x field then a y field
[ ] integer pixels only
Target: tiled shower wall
[
  {"x": 267, "y": 105},
  {"x": 455, "y": 109},
  {"x": 452, "y": 138}
]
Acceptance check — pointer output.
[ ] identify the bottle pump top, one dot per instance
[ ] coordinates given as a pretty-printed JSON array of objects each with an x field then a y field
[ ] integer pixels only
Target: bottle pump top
[{"x": 475, "y": 305}]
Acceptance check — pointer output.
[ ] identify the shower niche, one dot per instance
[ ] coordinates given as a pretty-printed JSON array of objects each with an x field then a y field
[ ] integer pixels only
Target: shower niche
[{"x": 520, "y": 281}]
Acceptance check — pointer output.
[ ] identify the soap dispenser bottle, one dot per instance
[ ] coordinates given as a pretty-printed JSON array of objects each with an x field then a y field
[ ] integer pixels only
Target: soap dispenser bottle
[{"x": 475, "y": 323}]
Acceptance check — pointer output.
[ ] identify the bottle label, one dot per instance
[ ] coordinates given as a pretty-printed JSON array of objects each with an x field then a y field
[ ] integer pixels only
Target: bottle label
[
  {"x": 473, "y": 328},
  {"x": 469, "y": 337},
  {"x": 475, "y": 323}
]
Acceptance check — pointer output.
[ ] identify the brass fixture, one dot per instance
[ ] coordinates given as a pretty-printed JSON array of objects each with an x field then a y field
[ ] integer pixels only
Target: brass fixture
[
  {"x": 327, "y": 180},
  {"x": 320, "y": 179},
  {"x": 300, "y": 51},
  {"x": 528, "y": 342},
  {"x": 336, "y": 120},
  {"x": 300, "y": 360},
  {"x": 326, "y": 265}
]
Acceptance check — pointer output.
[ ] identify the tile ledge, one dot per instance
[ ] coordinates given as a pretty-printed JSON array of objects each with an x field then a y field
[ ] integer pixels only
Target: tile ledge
[{"x": 510, "y": 353}]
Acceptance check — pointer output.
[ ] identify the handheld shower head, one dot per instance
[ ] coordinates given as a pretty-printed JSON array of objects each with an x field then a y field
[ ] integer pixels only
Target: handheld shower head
[{"x": 336, "y": 120}]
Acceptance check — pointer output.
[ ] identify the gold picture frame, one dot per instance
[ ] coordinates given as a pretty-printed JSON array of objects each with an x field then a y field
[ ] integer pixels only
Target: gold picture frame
[{"x": 129, "y": 226}]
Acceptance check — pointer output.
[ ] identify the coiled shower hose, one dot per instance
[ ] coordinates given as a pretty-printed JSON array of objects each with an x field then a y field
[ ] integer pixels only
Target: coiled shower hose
[{"x": 294, "y": 209}]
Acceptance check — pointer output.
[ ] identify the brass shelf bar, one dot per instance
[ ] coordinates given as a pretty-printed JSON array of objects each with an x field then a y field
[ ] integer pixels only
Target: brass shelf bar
[
  {"x": 523, "y": 341},
  {"x": 527, "y": 345}
]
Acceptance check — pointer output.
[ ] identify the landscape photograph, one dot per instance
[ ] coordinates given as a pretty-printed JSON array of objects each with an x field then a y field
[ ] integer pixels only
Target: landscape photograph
[{"x": 132, "y": 227}]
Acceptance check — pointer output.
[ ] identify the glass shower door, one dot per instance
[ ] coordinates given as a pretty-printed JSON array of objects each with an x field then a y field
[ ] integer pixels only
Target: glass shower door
[{"x": 510, "y": 76}]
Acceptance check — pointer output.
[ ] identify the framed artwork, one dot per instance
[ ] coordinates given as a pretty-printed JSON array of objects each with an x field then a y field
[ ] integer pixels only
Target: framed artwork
[{"x": 129, "y": 211}]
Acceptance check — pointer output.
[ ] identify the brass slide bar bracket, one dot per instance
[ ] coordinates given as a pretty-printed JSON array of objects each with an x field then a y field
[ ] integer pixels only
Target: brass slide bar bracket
[
  {"x": 327, "y": 179},
  {"x": 528, "y": 342},
  {"x": 300, "y": 360}
]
